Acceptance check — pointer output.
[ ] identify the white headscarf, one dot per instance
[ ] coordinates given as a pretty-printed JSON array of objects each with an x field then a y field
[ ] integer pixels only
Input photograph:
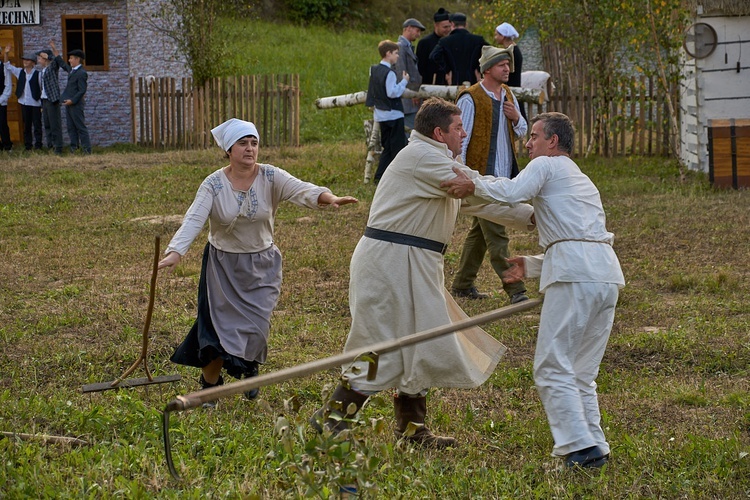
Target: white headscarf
[
  {"x": 507, "y": 29},
  {"x": 232, "y": 131}
]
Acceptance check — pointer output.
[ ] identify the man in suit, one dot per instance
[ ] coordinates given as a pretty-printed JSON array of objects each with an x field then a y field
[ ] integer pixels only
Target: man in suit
[
  {"x": 51, "y": 62},
  {"x": 29, "y": 93},
  {"x": 73, "y": 100},
  {"x": 407, "y": 61},
  {"x": 457, "y": 55},
  {"x": 431, "y": 74}
]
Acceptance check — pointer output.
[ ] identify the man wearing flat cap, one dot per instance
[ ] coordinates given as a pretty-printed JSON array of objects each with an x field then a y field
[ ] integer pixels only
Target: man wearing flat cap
[
  {"x": 457, "y": 54},
  {"x": 431, "y": 74},
  {"x": 29, "y": 94},
  {"x": 492, "y": 121},
  {"x": 74, "y": 102},
  {"x": 407, "y": 61}
]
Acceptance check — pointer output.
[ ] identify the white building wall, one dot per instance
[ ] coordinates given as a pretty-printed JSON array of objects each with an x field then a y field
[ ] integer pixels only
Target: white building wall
[{"x": 720, "y": 90}]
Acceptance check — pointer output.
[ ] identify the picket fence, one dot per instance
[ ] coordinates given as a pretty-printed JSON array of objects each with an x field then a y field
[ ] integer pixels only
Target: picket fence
[{"x": 173, "y": 113}]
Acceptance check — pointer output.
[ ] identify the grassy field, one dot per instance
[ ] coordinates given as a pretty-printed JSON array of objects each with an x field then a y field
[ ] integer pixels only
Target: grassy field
[{"x": 76, "y": 240}]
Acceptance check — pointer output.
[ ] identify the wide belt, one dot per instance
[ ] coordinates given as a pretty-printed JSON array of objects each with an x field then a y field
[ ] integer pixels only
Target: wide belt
[{"x": 406, "y": 239}]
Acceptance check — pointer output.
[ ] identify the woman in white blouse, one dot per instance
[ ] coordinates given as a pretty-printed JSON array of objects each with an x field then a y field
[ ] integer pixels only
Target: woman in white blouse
[{"x": 240, "y": 277}]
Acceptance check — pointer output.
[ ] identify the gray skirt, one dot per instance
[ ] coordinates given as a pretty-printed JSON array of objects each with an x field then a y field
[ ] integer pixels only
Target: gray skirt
[{"x": 237, "y": 294}]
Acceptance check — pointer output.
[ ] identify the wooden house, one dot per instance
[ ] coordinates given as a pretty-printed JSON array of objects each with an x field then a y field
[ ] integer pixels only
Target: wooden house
[
  {"x": 715, "y": 92},
  {"x": 119, "y": 42}
]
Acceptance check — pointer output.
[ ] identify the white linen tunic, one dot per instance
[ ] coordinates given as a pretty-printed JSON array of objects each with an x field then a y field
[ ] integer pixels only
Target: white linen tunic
[
  {"x": 397, "y": 290},
  {"x": 580, "y": 276},
  {"x": 244, "y": 274}
]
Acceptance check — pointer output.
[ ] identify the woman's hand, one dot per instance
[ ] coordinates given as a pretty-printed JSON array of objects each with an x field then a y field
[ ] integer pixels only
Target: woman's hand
[
  {"x": 170, "y": 261},
  {"x": 331, "y": 200}
]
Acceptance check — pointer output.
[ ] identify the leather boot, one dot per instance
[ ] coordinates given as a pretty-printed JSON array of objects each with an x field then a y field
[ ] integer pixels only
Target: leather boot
[
  {"x": 334, "y": 415},
  {"x": 414, "y": 410},
  {"x": 206, "y": 385}
]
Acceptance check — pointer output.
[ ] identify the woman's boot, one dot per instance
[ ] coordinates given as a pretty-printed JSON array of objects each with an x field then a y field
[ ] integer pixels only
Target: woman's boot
[
  {"x": 206, "y": 385},
  {"x": 334, "y": 416},
  {"x": 414, "y": 409}
]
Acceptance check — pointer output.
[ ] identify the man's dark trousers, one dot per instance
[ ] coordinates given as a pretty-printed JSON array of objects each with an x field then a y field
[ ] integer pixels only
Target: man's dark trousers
[
  {"x": 77, "y": 130},
  {"x": 393, "y": 140},
  {"x": 52, "y": 118},
  {"x": 32, "y": 118},
  {"x": 4, "y": 130}
]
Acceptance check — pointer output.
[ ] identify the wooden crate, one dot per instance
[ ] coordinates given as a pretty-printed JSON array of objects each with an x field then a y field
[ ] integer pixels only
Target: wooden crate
[{"x": 729, "y": 153}]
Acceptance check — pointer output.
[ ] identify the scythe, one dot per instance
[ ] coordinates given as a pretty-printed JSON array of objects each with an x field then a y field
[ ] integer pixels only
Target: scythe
[{"x": 370, "y": 353}]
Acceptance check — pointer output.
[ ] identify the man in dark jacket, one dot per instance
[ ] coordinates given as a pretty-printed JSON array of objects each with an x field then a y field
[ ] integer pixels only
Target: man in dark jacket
[
  {"x": 73, "y": 100},
  {"x": 457, "y": 54},
  {"x": 51, "y": 62},
  {"x": 431, "y": 74}
]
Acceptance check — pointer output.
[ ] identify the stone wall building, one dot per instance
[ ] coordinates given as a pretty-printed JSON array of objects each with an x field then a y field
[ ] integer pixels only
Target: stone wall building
[{"x": 119, "y": 41}]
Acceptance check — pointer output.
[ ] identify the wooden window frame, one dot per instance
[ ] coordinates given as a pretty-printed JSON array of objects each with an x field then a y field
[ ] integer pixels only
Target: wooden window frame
[{"x": 105, "y": 39}]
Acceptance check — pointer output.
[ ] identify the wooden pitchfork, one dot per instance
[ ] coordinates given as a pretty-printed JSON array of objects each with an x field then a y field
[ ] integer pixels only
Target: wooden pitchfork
[
  {"x": 120, "y": 382},
  {"x": 369, "y": 353}
]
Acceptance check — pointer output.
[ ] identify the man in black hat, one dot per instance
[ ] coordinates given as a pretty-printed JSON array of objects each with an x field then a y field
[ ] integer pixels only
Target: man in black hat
[
  {"x": 73, "y": 100},
  {"x": 407, "y": 61},
  {"x": 51, "y": 62},
  {"x": 458, "y": 53},
  {"x": 29, "y": 93},
  {"x": 431, "y": 74}
]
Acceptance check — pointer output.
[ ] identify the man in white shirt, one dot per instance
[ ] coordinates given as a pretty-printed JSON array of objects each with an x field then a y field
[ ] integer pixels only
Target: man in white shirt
[
  {"x": 29, "y": 94},
  {"x": 580, "y": 277}
]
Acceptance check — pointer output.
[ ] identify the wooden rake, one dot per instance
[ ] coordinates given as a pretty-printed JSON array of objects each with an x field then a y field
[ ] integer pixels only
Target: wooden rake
[
  {"x": 369, "y": 353},
  {"x": 121, "y": 381}
]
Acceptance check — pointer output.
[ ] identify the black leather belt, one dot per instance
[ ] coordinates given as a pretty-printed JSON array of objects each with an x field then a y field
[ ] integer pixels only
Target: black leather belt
[{"x": 406, "y": 239}]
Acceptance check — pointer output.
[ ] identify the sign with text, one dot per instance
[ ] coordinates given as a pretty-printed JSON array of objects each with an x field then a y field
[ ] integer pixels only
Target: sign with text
[{"x": 19, "y": 12}]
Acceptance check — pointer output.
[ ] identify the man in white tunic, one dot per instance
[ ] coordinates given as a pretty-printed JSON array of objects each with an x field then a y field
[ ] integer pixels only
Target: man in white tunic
[
  {"x": 580, "y": 277},
  {"x": 397, "y": 285}
]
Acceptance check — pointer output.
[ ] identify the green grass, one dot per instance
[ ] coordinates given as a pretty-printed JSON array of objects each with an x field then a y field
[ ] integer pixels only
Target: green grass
[
  {"x": 76, "y": 242},
  {"x": 328, "y": 62}
]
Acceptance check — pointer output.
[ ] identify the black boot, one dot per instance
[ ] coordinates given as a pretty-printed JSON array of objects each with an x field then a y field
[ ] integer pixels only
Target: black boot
[
  {"x": 413, "y": 410},
  {"x": 334, "y": 416},
  {"x": 206, "y": 385},
  {"x": 252, "y": 393}
]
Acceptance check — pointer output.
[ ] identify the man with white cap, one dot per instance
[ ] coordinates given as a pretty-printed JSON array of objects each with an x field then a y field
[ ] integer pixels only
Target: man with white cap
[
  {"x": 29, "y": 94},
  {"x": 505, "y": 36},
  {"x": 492, "y": 121},
  {"x": 240, "y": 278},
  {"x": 407, "y": 62}
]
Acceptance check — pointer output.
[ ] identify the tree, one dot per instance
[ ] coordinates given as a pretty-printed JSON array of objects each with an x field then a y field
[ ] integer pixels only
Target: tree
[
  {"x": 193, "y": 26},
  {"x": 606, "y": 43}
]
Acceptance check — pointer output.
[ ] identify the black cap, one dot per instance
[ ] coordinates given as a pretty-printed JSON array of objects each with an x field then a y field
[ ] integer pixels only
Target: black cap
[
  {"x": 441, "y": 15},
  {"x": 458, "y": 17},
  {"x": 77, "y": 53}
]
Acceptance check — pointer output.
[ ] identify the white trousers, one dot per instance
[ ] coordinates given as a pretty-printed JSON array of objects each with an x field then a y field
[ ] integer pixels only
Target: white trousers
[{"x": 575, "y": 323}]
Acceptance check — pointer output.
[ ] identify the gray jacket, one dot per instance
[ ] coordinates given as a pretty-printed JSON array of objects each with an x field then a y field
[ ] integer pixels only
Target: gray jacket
[{"x": 407, "y": 61}]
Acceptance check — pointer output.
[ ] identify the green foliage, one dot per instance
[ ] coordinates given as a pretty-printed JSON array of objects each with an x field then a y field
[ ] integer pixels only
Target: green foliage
[{"x": 604, "y": 44}]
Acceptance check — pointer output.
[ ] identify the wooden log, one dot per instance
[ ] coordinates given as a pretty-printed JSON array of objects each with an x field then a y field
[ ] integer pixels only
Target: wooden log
[
  {"x": 449, "y": 92},
  {"x": 44, "y": 438}
]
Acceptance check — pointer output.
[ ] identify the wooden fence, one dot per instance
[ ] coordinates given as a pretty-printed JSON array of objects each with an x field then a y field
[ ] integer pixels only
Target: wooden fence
[
  {"x": 636, "y": 122},
  {"x": 170, "y": 112}
]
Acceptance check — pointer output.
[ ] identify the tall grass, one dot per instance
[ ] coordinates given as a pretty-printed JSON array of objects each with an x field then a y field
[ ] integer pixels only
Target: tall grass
[
  {"x": 76, "y": 236},
  {"x": 328, "y": 62}
]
